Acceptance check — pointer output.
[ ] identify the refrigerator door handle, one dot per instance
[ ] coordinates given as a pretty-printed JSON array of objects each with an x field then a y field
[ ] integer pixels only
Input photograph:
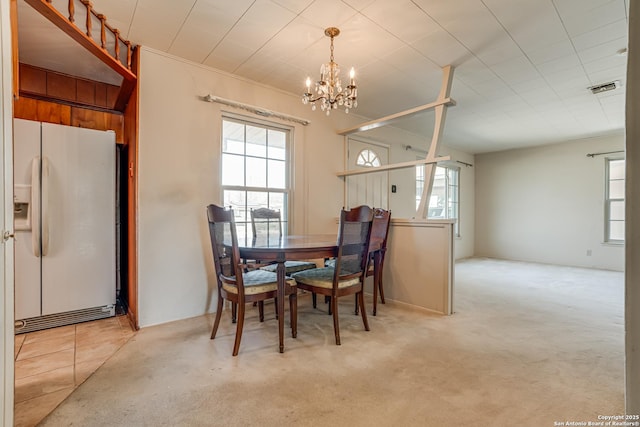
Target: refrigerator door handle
[
  {"x": 35, "y": 206},
  {"x": 44, "y": 207}
]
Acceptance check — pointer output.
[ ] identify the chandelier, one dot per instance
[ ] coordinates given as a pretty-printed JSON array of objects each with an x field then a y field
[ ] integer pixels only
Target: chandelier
[{"x": 329, "y": 92}]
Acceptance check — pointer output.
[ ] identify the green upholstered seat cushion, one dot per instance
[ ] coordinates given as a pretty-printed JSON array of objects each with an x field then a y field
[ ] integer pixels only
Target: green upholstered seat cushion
[
  {"x": 322, "y": 278},
  {"x": 256, "y": 282},
  {"x": 291, "y": 267}
]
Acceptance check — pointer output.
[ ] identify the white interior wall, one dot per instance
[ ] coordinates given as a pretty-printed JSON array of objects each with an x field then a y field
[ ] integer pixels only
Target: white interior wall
[
  {"x": 179, "y": 176},
  {"x": 546, "y": 204},
  {"x": 179, "y": 149}
]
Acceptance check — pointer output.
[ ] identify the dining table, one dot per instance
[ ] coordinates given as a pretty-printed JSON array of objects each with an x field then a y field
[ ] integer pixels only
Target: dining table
[{"x": 287, "y": 248}]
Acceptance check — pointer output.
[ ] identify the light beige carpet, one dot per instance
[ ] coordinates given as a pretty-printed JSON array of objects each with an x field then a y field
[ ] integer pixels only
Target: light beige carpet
[{"x": 529, "y": 345}]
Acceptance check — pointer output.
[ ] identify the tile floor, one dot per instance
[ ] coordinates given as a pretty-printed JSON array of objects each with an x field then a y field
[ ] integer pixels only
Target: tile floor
[{"x": 50, "y": 364}]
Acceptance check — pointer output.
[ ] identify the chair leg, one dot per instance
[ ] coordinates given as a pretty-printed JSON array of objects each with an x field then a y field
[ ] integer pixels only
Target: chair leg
[
  {"x": 313, "y": 299},
  {"x": 234, "y": 312},
  {"x": 236, "y": 345},
  {"x": 327, "y": 299},
  {"x": 363, "y": 311},
  {"x": 336, "y": 323},
  {"x": 261, "y": 310},
  {"x": 381, "y": 289},
  {"x": 293, "y": 310},
  {"x": 216, "y": 323},
  {"x": 375, "y": 294},
  {"x": 275, "y": 307},
  {"x": 355, "y": 300}
]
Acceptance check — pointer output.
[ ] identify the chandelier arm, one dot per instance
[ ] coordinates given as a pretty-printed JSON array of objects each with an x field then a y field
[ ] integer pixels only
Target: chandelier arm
[{"x": 332, "y": 100}]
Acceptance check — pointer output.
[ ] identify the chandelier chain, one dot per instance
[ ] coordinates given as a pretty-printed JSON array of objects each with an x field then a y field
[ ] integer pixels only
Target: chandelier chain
[{"x": 331, "y": 57}]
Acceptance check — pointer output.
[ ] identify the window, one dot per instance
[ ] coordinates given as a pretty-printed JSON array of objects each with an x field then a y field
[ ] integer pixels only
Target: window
[
  {"x": 368, "y": 158},
  {"x": 445, "y": 194},
  {"x": 419, "y": 184},
  {"x": 614, "y": 200},
  {"x": 255, "y": 170}
]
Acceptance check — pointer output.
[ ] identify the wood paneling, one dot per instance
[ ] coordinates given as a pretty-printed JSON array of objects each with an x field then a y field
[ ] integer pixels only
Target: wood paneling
[
  {"x": 112, "y": 94},
  {"x": 52, "y": 112},
  {"x": 91, "y": 119},
  {"x": 60, "y": 86},
  {"x": 85, "y": 92},
  {"x": 51, "y": 85},
  {"x": 33, "y": 80},
  {"x": 100, "y": 93},
  {"x": 42, "y": 111}
]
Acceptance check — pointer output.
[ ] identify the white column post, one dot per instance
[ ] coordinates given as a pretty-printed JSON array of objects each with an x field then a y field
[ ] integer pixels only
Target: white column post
[{"x": 430, "y": 168}]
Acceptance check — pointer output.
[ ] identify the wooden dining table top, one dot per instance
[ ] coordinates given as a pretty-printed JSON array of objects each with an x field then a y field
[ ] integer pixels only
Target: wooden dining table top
[{"x": 289, "y": 248}]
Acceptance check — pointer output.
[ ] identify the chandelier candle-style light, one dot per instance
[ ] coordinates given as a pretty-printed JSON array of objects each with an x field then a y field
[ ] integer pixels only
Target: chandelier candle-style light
[{"x": 329, "y": 92}]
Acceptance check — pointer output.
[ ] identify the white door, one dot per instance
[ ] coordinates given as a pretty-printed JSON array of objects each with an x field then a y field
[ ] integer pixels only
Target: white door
[
  {"x": 6, "y": 220},
  {"x": 371, "y": 189},
  {"x": 78, "y": 218}
]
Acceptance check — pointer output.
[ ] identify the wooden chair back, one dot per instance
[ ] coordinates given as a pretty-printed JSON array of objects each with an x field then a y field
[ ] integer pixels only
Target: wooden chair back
[
  {"x": 224, "y": 241},
  {"x": 353, "y": 241},
  {"x": 379, "y": 229},
  {"x": 266, "y": 222},
  {"x": 377, "y": 251}
]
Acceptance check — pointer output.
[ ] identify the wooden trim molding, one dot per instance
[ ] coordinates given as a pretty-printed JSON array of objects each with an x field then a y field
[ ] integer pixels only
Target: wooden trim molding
[{"x": 131, "y": 120}]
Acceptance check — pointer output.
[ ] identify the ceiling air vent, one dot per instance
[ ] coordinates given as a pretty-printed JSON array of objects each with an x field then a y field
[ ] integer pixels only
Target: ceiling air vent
[{"x": 605, "y": 87}]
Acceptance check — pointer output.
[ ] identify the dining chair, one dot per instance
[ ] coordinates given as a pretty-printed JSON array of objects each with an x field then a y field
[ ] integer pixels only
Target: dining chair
[
  {"x": 267, "y": 223},
  {"x": 236, "y": 283},
  {"x": 377, "y": 252},
  {"x": 347, "y": 277}
]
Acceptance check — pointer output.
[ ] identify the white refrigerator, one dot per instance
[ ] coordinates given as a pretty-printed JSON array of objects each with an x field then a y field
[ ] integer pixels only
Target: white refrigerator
[{"x": 65, "y": 244}]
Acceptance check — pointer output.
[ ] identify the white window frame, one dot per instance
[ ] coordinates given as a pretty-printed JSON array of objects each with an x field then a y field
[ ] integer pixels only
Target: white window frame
[
  {"x": 608, "y": 201},
  {"x": 451, "y": 202},
  {"x": 243, "y": 219},
  {"x": 368, "y": 158}
]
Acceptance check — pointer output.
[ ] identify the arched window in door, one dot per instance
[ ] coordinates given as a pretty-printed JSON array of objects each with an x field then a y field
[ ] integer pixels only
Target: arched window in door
[{"x": 368, "y": 159}]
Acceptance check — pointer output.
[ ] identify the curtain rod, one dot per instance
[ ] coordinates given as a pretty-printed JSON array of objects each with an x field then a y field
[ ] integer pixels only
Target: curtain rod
[
  {"x": 415, "y": 150},
  {"x": 253, "y": 109},
  {"x": 602, "y": 154}
]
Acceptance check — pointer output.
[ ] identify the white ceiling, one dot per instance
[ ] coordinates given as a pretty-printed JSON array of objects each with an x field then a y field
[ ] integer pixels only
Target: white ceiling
[{"x": 522, "y": 67}]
